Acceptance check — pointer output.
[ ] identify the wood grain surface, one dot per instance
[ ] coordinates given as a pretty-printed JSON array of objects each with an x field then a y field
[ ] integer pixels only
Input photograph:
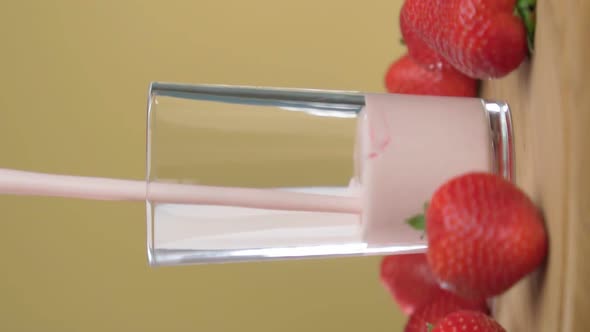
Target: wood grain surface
[{"x": 550, "y": 99}]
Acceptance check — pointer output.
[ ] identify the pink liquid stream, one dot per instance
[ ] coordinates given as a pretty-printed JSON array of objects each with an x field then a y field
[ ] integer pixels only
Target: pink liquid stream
[{"x": 24, "y": 183}]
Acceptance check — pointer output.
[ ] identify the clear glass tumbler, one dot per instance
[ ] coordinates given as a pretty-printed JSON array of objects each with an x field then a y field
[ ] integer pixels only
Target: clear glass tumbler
[{"x": 240, "y": 173}]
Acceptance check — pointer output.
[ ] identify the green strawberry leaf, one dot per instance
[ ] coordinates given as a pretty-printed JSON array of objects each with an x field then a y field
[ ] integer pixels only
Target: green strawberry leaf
[
  {"x": 429, "y": 327},
  {"x": 418, "y": 222},
  {"x": 526, "y": 10}
]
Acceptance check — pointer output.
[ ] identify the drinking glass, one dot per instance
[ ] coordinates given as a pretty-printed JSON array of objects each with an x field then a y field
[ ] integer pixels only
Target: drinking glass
[{"x": 239, "y": 173}]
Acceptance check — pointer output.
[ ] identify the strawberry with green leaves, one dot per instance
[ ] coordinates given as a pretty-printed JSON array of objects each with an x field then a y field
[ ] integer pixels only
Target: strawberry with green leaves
[
  {"x": 484, "y": 234},
  {"x": 483, "y": 39}
]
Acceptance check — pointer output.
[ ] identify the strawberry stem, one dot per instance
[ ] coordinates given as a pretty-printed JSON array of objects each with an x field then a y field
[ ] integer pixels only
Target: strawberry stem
[{"x": 526, "y": 10}]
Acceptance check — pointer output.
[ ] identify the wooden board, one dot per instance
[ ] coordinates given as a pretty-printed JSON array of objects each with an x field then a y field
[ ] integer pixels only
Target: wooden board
[{"x": 550, "y": 99}]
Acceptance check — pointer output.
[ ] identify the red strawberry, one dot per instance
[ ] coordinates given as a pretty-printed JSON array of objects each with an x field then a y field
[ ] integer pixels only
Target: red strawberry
[
  {"x": 409, "y": 280},
  {"x": 484, "y": 235},
  {"x": 418, "y": 51},
  {"x": 481, "y": 38},
  {"x": 440, "y": 306},
  {"x": 467, "y": 321},
  {"x": 406, "y": 77}
]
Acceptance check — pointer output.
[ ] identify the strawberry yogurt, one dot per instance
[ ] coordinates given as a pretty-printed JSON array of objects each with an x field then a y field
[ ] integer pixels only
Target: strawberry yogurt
[{"x": 406, "y": 147}]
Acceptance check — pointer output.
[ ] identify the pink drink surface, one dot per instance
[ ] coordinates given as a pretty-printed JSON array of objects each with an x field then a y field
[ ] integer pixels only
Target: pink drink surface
[
  {"x": 211, "y": 227},
  {"x": 406, "y": 147}
]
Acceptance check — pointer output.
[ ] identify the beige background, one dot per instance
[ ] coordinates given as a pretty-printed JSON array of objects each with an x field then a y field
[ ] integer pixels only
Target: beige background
[{"x": 73, "y": 86}]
